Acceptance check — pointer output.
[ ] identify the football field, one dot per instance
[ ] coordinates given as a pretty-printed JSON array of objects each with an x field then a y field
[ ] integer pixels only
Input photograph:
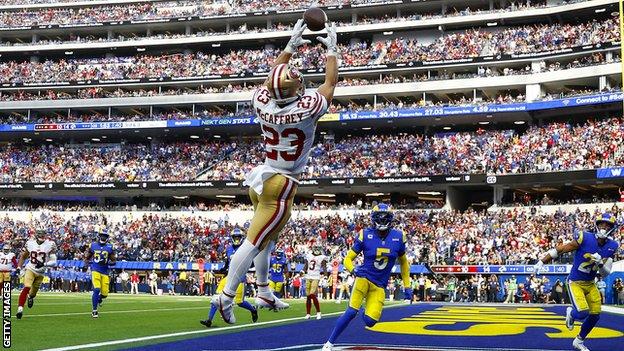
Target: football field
[
  {"x": 58, "y": 320},
  {"x": 144, "y": 322}
]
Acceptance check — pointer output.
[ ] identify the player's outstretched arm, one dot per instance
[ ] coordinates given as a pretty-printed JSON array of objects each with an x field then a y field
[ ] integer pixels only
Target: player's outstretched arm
[
  {"x": 296, "y": 40},
  {"x": 331, "y": 69},
  {"x": 405, "y": 270},
  {"x": 559, "y": 250}
]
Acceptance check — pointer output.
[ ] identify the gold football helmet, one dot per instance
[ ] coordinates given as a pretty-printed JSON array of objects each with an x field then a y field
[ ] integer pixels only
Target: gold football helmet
[{"x": 285, "y": 84}]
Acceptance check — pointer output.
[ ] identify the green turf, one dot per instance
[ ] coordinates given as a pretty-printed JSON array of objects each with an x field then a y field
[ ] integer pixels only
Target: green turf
[{"x": 59, "y": 320}]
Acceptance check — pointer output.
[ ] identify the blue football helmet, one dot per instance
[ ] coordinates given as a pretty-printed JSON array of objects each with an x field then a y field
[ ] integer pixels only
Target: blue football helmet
[
  {"x": 237, "y": 237},
  {"x": 382, "y": 217},
  {"x": 279, "y": 254},
  {"x": 608, "y": 219},
  {"x": 103, "y": 236}
]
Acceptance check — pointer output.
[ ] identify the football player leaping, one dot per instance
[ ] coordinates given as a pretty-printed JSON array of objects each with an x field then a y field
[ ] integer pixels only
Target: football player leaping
[
  {"x": 381, "y": 246},
  {"x": 41, "y": 253},
  {"x": 288, "y": 114},
  {"x": 594, "y": 253},
  {"x": 316, "y": 263}
]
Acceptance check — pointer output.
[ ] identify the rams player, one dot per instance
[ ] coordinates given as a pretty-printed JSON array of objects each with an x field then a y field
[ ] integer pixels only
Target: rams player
[
  {"x": 41, "y": 253},
  {"x": 594, "y": 253},
  {"x": 381, "y": 246},
  {"x": 288, "y": 114},
  {"x": 102, "y": 256},
  {"x": 278, "y": 267},
  {"x": 237, "y": 238}
]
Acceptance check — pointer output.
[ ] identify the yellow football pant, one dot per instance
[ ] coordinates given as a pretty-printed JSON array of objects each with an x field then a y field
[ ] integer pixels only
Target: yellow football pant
[
  {"x": 100, "y": 281},
  {"x": 33, "y": 281},
  {"x": 312, "y": 286},
  {"x": 271, "y": 209},
  {"x": 276, "y": 286},
  {"x": 239, "y": 298},
  {"x": 374, "y": 295},
  {"x": 585, "y": 296}
]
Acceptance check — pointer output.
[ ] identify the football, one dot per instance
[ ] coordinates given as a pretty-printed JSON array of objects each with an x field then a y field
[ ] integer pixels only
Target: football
[{"x": 315, "y": 18}]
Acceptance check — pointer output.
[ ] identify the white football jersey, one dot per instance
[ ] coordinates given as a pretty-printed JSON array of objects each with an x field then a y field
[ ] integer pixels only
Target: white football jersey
[
  {"x": 314, "y": 266},
  {"x": 39, "y": 253},
  {"x": 6, "y": 262},
  {"x": 288, "y": 131}
]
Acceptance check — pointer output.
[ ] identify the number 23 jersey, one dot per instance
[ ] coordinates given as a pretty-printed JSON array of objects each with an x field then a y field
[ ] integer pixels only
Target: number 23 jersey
[
  {"x": 584, "y": 269},
  {"x": 288, "y": 130},
  {"x": 39, "y": 253}
]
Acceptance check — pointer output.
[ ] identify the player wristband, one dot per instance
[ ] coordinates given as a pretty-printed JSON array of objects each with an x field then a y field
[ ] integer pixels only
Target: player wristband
[
  {"x": 553, "y": 253},
  {"x": 289, "y": 49}
]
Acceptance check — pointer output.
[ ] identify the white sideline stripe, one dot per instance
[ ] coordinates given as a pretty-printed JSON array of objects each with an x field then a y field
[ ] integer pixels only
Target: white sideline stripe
[
  {"x": 110, "y": 312},
  {"x": 162, "y": 336}
]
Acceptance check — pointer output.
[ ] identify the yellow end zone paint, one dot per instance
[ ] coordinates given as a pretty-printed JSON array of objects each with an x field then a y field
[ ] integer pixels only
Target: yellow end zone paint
[{"x": 488, "y": 321}]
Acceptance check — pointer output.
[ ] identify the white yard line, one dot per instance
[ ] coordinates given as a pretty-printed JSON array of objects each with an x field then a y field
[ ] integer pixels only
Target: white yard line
[
  {"x": 111, "y": 312},
  {"x": 203, "y": 331},
  {"x": 162, "y": 336}
]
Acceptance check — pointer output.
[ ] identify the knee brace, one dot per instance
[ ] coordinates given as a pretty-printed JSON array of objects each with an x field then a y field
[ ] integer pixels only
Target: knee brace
[{"x": 368, "y": 321}]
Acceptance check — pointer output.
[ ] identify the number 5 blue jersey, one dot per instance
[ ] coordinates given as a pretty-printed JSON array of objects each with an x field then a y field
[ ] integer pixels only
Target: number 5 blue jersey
[
  {"x": 277, "y": 269},
  {"x": 380, "y": 255},
  {"x": 583, "y": 268},
  {"x": 100, "y": 257}
]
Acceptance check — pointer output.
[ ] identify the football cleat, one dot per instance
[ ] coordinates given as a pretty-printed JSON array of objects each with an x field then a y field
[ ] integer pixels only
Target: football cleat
[
  {"x": 578, "y": 344},
  {"x": 94, "y": 314},
  {"x": 328, "y": 346},
  {"x": 207, "y": 323},
  {"x": 20, "y": 310},
  {"x": 569, "y": 320},
  {"x": 31, "y": 301},
  {"x": 254, "y": 315},
  {"x": 226, "y": 308},
  {"x": 271, "y": 302},
  {"x": 318, "y": 315}
]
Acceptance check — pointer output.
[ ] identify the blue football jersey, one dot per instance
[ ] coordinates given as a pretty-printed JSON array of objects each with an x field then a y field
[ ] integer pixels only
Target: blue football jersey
[
  {"x": 583, "y": 268},
  {"x": 277, "y": 269},
  {"x": 380, "y": 255},
  {"x": 229, "y": 252},
  {"x": 100, "y": 257}
]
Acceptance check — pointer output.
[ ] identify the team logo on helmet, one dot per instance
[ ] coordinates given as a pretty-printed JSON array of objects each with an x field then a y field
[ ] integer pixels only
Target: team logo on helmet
[
  {"x": 285, "y": 83},
  {"x": 609, "y": 220}
]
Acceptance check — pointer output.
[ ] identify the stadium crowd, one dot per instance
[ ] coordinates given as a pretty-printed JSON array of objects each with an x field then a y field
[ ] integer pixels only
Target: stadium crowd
[
  {"x": 156, "y": 10},
  {"x": 116, "y": 162},
  {"x": 553, "y": 147},
  {"x": 434, "y": 236},
  {"x": 471, "y": 43}
]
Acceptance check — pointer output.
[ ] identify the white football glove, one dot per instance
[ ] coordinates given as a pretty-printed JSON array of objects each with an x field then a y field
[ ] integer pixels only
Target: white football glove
[
  {"x": 331, "y": 41},
  {"x": 595, "y": 257},
  {"x": 296, "y": 39},
  {"x": 539, "y": 267}
]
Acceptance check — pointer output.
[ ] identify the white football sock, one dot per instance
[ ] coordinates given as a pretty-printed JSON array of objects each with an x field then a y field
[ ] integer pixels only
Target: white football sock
[
  {"x": 239, "y": 265},
  {"x": 261, "y": 262}
]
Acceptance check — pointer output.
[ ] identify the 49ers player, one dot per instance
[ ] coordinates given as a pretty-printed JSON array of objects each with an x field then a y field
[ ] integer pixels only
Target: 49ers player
[
  {"x": 316, "y": 263},
  {"x": 288, "y": 114},
  {"x": 41, "y": 253},
  {"x": 8, "y": 263}
]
